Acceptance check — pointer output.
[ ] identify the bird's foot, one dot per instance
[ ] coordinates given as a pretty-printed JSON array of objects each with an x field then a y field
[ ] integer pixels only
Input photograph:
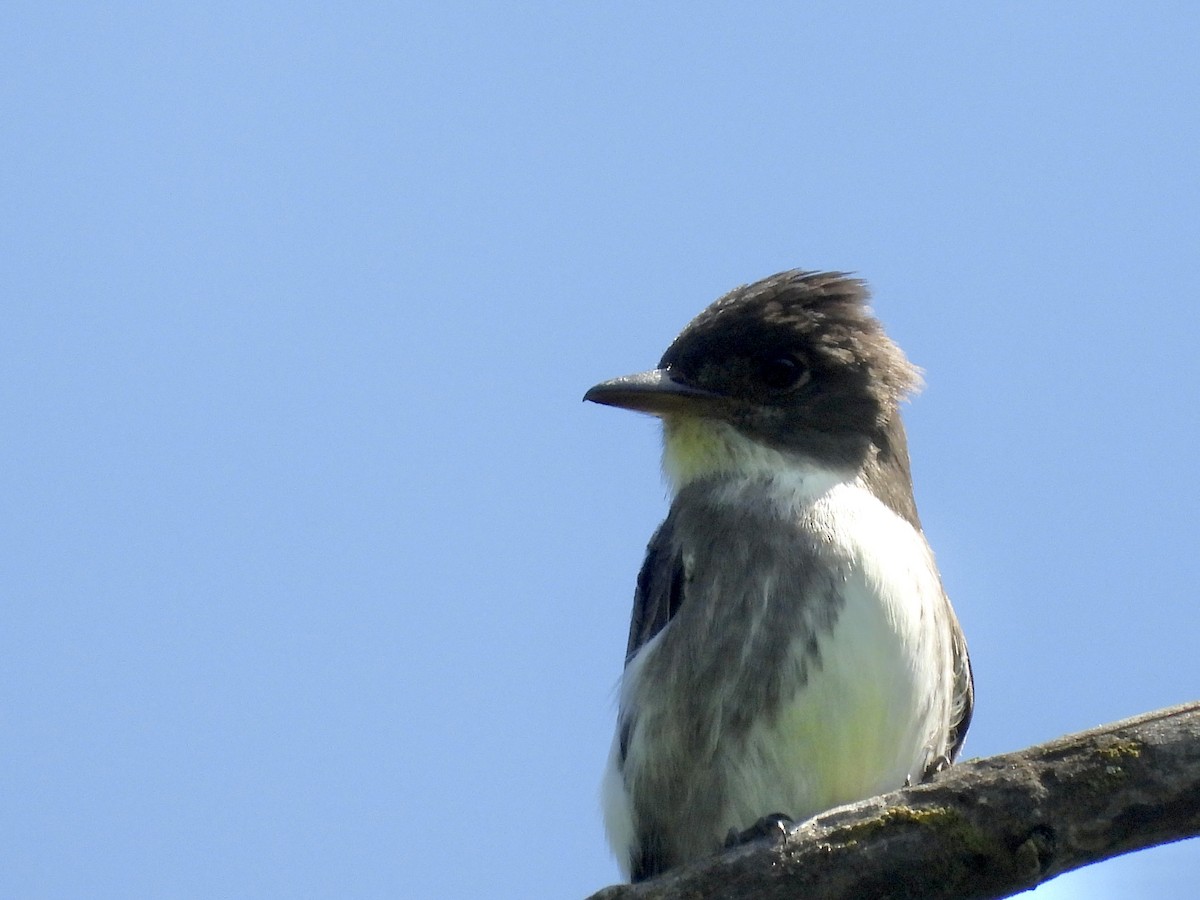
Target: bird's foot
[
  {"x": 773, "y": 825},
  {"x": 936, "y": 767}
]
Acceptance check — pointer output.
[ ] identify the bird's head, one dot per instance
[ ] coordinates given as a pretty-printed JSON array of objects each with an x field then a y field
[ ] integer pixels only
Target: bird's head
[{"x": 790, "y": 370}]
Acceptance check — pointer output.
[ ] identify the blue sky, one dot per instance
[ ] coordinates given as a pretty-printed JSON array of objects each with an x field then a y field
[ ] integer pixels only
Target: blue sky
[{"x": 316, "y": 569}]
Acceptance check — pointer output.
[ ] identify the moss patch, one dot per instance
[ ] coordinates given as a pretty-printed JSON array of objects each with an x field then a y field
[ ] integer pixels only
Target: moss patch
[{"x": 1118, "y": 750}]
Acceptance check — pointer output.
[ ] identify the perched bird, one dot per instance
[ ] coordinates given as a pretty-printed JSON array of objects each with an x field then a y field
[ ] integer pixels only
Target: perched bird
[{"x": 791, "y": 647}]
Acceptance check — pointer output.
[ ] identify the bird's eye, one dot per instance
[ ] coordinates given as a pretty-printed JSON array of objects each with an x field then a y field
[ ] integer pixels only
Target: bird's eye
[{"x": 783, "y": 372}]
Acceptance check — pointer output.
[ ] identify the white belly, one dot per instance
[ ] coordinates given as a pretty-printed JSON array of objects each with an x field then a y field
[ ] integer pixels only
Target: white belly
[
  {"x": 871, "y": 714},
  {"x": 866, "y": 721}
]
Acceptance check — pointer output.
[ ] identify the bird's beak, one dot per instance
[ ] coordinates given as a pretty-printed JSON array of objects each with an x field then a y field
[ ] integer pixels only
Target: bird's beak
[{"x": 655, "y": 392}]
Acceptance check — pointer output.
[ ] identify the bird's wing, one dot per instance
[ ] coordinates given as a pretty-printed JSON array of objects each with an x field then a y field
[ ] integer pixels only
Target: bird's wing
[
  {"x": 963, "y": 704},
  {"x": 659, "y": 589}
]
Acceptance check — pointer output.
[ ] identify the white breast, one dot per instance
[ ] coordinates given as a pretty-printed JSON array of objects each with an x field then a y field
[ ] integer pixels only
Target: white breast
[
  {"x": 873, "y": 713},
  {"x": 876, "y": 710}
]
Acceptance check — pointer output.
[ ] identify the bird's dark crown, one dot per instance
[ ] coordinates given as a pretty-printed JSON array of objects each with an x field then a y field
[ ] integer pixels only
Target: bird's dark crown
[{"x": 801, "y": 361}]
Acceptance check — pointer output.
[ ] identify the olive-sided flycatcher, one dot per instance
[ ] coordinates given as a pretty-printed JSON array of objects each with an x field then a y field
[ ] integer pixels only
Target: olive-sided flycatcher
[{"x": 791, "y": 647}]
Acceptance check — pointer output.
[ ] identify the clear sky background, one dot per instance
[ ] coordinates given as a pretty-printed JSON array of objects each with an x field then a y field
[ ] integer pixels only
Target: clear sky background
[{"x": 315, "y": 569}]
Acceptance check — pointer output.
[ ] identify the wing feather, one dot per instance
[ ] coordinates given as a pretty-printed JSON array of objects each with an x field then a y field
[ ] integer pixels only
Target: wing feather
[{"x": 660, "y": 588}]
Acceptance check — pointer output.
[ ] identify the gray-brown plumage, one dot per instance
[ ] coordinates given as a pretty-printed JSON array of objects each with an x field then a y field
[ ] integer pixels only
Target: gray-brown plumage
[{"x": 791, "y": 647}]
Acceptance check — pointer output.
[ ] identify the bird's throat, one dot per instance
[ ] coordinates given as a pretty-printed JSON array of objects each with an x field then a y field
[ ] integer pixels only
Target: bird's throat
[{"x": 695, "y": 447}]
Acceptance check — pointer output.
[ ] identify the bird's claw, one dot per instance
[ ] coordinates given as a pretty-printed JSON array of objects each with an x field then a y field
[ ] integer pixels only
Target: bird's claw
[{"x": 773, "y": 825}]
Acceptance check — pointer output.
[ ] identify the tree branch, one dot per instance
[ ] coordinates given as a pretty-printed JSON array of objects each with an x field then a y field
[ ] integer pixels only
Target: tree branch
[{"x": 986, "y": 828}]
